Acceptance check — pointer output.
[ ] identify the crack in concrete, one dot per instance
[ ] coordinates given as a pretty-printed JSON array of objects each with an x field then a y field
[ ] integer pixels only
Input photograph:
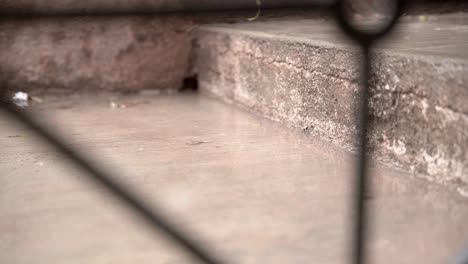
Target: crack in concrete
[{"x": 296, "y": 67}]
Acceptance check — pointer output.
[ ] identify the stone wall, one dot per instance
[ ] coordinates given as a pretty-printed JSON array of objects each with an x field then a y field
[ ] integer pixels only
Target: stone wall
[
  {"x": 121, "y": 53},
  {"x": 118, "y": 53},
  {"x": 418, "y": 109}
]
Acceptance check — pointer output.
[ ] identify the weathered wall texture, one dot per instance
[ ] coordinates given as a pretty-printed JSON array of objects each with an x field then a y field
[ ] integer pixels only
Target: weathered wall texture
[
  {"x": 419, "y": 118},
  {"x": 113, "y": 53},
  {"x": 121, "y": 53}
]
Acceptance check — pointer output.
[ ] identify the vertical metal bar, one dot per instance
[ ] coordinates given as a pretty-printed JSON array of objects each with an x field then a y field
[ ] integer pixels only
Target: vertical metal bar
[{"x": 360, "y": 224}]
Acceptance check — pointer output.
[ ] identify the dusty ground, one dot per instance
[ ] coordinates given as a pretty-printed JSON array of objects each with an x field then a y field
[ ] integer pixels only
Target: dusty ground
[{"x": 253, "y": 190}]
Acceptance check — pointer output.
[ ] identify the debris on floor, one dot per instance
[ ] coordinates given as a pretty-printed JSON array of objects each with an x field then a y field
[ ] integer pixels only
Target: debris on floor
[
  {"x": 19, "y": 136},
  {"x": 257, "y": 15},
  {"x": 37, "y": 99},
  {"x": 20, "y": 99},
  {"x": 196, "y": 142},
  {"x": 113, "y": 104}
]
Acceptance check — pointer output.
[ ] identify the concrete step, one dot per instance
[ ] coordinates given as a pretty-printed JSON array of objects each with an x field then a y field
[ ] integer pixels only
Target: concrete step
[
  {"x": 251, "y": 189},
  {"x": 304, "y": 73}
]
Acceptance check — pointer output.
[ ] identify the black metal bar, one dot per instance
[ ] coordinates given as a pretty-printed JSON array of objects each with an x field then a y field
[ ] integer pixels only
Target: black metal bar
[
  {"x": 153, "y": 217},
  {"x": 188, "y": 7},
  {"x": 365, "y": 39},
  {"x": 359, "y": 208}
]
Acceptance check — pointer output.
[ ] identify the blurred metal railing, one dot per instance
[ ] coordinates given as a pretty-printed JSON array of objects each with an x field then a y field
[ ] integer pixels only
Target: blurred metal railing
[{"x": 159, "y": 223}]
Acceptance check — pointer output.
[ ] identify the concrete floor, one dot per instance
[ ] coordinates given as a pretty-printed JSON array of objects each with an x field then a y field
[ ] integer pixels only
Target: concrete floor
[{"x": 254, "y": 191}]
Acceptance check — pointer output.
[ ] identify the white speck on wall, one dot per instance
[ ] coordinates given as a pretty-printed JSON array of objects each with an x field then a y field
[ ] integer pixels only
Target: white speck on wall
[
  {"x": 462, "y": 192},
  {"x": 396, "y": 79},
  {"x": 396, "y": 146},
  {"x": 449, "y": 115},
  {"x": 437, "y": 164},
  {"x": 20, "y": 99},
  {"x": 425, "y": 106}
]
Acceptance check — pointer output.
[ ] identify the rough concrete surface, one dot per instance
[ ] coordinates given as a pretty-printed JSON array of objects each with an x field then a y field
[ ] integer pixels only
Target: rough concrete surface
[
  {"x": 249, "y": 188},
  {"x": 305, "y": 74},
  {"x": 66, "y": 54},
  {"x": 63, "y": 51},
  {"x": 119, "y": 53}
]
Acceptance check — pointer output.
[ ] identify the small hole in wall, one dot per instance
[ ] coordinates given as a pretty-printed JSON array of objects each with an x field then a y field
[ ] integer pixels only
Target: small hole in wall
[{"x": 190, "y": 83}]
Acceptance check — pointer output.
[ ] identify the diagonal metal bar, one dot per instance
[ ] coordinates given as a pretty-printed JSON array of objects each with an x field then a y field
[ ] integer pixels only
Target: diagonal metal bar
[{"x": 153, "y": 217}]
